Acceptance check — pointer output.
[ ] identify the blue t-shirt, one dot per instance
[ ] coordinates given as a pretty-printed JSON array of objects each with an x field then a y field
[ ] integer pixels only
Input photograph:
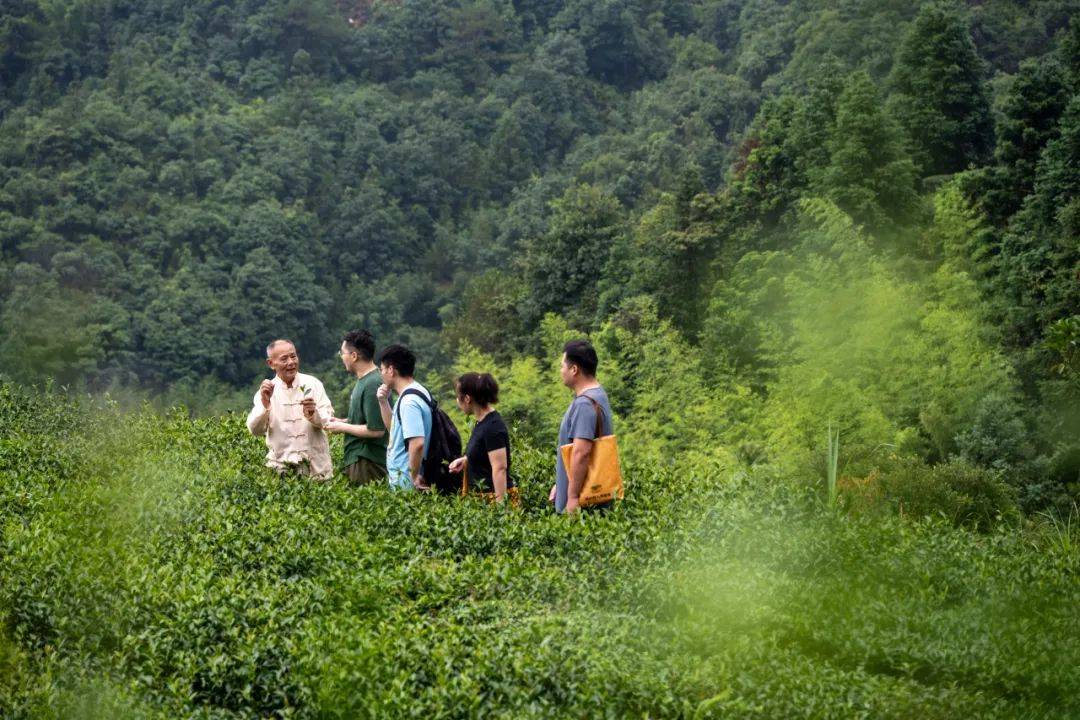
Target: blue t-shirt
[{"x": 415, "y": 418}]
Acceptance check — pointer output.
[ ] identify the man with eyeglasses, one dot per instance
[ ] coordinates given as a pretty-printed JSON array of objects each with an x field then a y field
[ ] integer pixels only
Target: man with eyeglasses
[
  {"x": 291, "y": 410},
  {"x": 364, "y": 461}
]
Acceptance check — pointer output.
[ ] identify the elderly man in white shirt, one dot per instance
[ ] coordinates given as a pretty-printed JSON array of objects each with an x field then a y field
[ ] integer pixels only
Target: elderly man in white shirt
[{"x": 290, "y": 411}]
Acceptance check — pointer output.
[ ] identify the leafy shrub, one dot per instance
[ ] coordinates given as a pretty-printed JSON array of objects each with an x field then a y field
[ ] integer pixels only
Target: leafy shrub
[
  {"x": 1056, "y": 487},
  {"x": 998, "y": 435},
  {"x": 963, "y": 493}
]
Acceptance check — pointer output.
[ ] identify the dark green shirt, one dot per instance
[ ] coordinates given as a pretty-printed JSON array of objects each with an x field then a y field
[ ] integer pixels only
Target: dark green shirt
[{"x": 364, "y": 410}]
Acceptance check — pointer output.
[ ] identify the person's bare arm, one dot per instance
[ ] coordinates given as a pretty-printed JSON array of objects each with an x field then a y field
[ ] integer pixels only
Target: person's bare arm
[
  {"x": 497, "y": 458},
  {"x": 383, "y": 393},
  {"x": 360, "y": 431},
  {"x": 324, "y": 409},
  {"x": 259, "y": 417},
  {"x": 416, "y": 458},
  {"x": 578, "y": 470},
  {"x": 258, "y": 420}
]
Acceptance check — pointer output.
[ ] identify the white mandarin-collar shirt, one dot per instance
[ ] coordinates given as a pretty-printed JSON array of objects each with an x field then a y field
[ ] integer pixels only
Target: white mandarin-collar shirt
[{"x": 293, "y": 440}]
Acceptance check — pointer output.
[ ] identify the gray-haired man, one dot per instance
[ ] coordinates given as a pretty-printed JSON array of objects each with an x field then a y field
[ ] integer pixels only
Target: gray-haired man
[{"x": 290, "y": 411}]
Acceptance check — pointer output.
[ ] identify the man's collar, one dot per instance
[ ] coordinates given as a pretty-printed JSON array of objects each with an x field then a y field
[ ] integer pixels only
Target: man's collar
[
  {"x": 296, "y": 379},
  {"x": 582, "y": 391}
]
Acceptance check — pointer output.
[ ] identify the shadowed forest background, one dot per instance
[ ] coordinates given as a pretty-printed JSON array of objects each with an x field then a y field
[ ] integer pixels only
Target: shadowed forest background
[{"x": 775, "y": 220}]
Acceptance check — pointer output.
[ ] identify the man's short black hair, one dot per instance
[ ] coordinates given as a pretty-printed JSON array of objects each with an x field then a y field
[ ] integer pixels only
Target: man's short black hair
[
  {"x": 362, "y": 342},
  {"x": 400, "y": 358},
  {"x": 582, "y": 354}
]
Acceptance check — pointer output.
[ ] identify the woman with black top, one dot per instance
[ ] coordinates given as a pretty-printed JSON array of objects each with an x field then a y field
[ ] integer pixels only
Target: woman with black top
[{"x": 487, "y": 455}]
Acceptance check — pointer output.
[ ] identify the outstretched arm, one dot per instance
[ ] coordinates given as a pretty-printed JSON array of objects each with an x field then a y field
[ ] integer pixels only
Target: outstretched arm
[{"x": 360, "y": 431}]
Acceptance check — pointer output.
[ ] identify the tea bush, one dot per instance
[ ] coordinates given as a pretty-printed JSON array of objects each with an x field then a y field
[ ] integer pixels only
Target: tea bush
[
  {"x": 149, "y": 567},
  {"x": 962, "y": 493}
]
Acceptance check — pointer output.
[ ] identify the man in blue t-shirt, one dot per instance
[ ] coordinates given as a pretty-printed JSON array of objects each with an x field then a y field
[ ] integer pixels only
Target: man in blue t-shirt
[{"x": 409, "y": 419}]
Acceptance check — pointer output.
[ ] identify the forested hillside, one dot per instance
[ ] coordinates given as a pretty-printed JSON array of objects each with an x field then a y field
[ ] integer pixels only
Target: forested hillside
[{"x": 771, "y": 217}]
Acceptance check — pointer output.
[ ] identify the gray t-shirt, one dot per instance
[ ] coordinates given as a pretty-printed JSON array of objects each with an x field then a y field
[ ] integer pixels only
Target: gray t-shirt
[{"x": 579, "y": 422}]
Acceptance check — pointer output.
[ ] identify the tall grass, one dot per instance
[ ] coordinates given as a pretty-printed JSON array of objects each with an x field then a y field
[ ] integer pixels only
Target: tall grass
[
  {"x": 1062, "y": 535},
  {"x": 832, "y": 457}
]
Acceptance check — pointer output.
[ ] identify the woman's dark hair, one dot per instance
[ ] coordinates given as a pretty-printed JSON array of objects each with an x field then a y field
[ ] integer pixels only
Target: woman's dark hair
[
  {"x": 482, "y": 388},
  {"x": 582, "y": 354},
  {"x": 400, "y": 358},
  {"x": 362, "y": 342}
]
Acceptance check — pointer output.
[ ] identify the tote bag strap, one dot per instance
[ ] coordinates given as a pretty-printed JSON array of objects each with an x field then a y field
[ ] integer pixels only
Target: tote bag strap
[{"x": 599, "y": 417}]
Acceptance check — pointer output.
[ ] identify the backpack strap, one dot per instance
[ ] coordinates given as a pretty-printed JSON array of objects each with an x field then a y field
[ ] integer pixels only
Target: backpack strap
[{"x": 422, "y": 396}]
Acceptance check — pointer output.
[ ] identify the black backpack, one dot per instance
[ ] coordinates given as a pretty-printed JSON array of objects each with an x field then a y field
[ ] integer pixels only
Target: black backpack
[{"x": 442, "y": 448}]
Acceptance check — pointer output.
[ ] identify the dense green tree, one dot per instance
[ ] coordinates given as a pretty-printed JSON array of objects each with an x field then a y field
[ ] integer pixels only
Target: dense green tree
[
  {"x": 21, "y": 31},
  {"x": 273, "y": 296},
  {"x": 517, "y": 145},
  {"x": 370, "y": 236},
  {"x": 183, "y": 331},
  {"x": 49, "y": 330},
  {"x": 1028, "y": 119},
  {"x": 1040, "y": 254},
  {"x": 813, "y": 120},
  {"x": 625, "y": 45},
  {"x": 869, "y": 175},
  {"x": 764, "y": 177},
  {"x": 564, "y": 266},
  {"x": 849, "y": 33},
  {"x": 488, "y": 316},
  {"x": 667, "y": 258},
  {"x": 1007, "y": 33},
  {"x": 938, "y": 91},
  {"x": 536, "y": 15},
  {"x": 766, "y": 41},
  {"x": 480, "y": 40},
  {"x": 1070, "y": 54}
]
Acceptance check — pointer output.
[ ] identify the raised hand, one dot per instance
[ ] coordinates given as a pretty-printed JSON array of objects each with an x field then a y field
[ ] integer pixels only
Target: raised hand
[{"x": 265, "y": 391}]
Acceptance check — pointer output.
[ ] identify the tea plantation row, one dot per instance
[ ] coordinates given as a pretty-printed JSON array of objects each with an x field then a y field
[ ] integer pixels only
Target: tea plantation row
[{"x": 150, "y": 568}]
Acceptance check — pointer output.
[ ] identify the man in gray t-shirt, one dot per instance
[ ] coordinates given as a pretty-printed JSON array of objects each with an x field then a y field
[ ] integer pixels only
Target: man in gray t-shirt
[{"x": 578, "y": 371}]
